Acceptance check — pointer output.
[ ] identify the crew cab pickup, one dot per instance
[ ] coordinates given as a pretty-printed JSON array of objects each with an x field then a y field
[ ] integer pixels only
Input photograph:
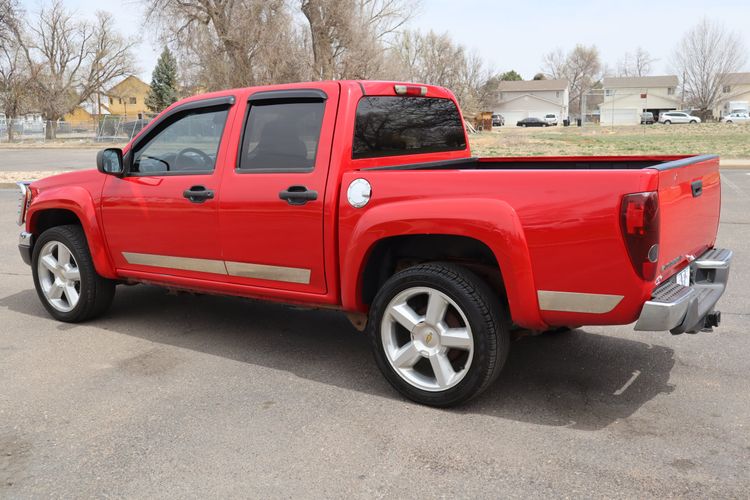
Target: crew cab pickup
[{"x": 365, "y": 197}]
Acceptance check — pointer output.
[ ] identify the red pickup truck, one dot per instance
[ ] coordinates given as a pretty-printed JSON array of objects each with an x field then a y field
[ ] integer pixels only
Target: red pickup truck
[{"x": 364, "y": 196}]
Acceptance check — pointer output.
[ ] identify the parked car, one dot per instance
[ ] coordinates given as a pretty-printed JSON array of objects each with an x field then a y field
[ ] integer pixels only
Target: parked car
[
  {"x": 647, "y": 118},
  {"x": 498, "y": 120},
  {"x": 736, "y": 118},
  {"x": 531, "y": 122},
  {"x": 435, "y": 253},
  {"x": 671, "y": 117},
  {"x": 551, "y": 119}
]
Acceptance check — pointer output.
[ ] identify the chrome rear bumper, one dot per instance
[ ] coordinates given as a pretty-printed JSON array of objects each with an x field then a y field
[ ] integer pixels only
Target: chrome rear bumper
[{"x": 680, "y": 308}]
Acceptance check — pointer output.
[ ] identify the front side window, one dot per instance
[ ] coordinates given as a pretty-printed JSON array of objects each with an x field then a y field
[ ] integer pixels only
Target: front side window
[
  {"x": 391, "y": 126},
  {"x": 282, "y": 136},
  {"x": 188, "y": 144}
]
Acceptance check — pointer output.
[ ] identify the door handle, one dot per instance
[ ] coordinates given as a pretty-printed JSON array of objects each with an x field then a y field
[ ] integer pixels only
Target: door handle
[
  {"x": 198, "y": 194},
  {"x": 298, "y": 195}
]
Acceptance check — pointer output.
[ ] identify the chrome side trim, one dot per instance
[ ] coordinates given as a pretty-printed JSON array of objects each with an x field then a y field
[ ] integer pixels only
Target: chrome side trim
[
  {"x": 594, "y": 303},
  {"x": 182, "y": 263},
  {"x": 239, "y": 269},
  {"x": 265, "y": 272}
]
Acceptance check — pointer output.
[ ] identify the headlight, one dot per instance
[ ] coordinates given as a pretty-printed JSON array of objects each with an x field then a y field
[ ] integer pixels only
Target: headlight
[{"x": 24, "y": 200}]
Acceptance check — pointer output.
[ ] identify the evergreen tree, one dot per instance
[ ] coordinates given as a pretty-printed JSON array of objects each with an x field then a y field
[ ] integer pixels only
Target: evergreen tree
[
  {"x": 510, "y": 76},
  {"x": 163, "y": 82}
]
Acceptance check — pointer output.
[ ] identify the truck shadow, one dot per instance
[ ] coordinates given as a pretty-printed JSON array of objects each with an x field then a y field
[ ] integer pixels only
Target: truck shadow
[{"x": 578, "y": 379}]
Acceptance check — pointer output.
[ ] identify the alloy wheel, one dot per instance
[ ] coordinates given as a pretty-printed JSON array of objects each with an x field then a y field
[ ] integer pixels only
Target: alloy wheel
[
  {"x": 59, "y": 276},
  {"x": 427, "y": 339}
]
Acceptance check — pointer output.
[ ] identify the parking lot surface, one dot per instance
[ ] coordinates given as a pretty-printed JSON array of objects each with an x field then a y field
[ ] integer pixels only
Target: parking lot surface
[{"x": 191, "y": 396}]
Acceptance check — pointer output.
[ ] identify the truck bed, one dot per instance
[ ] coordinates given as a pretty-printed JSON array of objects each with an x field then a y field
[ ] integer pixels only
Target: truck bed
[{"x": 557, "y": 163}]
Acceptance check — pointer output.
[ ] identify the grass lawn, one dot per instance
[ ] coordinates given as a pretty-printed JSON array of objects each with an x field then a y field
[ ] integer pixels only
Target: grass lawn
[{"x": 728, "y": 141}]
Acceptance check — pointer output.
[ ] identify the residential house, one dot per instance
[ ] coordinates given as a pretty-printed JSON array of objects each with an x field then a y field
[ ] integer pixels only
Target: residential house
[
  {"x": 625, "y": 98},
  {"x": 517, "y": 100},
  {"x": 735, "y": 94},
  {"x": 128, "y": 98}
]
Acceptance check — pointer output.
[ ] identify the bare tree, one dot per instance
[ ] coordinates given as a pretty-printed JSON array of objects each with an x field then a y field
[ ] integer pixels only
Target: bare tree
[
  {"x": 231, "y": 43},
  {"x": 638, "y": 63},
  {"x": 705, "y": 57},
  {"x": 71, "y": 60},
  {"x": 436, "y": 59},
  {"x": 350, "y": 37},
  {"x": 15, "y": 81},
  {"x": 581, "y": 67},
  {"x": 8, "y": 19}
]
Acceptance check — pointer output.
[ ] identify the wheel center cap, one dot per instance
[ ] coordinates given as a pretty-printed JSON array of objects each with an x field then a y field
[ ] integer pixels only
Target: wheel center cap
[{"x": 426, "y": 337}]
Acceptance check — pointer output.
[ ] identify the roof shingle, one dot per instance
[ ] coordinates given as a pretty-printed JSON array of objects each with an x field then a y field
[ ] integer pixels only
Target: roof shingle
[
  {"x": 640, "y": 82},
  {"x": 532, "y": 85}
]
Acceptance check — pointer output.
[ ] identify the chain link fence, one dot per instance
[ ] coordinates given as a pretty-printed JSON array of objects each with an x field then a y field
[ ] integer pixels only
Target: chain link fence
[{"x": 104, "y": 129}]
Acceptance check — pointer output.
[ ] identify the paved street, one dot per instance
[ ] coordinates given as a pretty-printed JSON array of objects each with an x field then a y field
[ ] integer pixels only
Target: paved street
[
  {"x": 195, "y": 396},
  {"x": 46, "y": 159}
]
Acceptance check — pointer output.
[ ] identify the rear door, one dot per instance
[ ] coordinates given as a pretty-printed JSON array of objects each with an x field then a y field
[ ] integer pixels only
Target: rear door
[
  {"x": 689, "y": 205},
  {"x": 271, "y": 207}
]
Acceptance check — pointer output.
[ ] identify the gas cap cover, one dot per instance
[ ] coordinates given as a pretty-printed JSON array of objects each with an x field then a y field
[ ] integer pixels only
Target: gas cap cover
[{"x": 359, "y": 193}]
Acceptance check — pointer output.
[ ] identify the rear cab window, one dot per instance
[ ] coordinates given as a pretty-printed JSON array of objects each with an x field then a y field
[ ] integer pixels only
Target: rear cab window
[{"x": 406, "y": 125}]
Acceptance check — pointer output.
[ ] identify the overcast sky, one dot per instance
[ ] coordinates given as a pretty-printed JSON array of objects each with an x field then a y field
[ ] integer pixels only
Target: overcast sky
[{"x": 513, "y": 34}]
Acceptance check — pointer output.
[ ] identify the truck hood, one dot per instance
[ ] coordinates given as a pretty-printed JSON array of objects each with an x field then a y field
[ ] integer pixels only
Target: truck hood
[{"x": 89, "y": 178}]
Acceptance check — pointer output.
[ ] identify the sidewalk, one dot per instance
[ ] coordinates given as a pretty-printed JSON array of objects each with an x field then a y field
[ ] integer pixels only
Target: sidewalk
[{"x": 735, "y": 164}]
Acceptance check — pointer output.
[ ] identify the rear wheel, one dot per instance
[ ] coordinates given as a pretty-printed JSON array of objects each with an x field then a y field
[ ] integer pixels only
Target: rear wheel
[
  {"x": 64, "y": 276},
  {"x": 729, "y": 121},
  {"x": 439, "y": 334}
]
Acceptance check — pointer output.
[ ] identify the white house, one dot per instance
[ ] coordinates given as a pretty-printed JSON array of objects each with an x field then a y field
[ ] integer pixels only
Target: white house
[
  {"x": 625, "y": 98},
  {"x": 521, "y": 99},
  {"x": 735, "y": 93}
]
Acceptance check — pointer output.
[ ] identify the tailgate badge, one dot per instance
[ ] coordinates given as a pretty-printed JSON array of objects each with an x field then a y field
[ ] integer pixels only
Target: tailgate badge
[{"x": 359, "y": 193}]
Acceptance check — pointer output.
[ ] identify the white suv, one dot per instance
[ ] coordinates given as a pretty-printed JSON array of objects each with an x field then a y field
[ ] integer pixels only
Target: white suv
[
  {"x": 736, "y": 118},
  {"x": 677, "y": 117},
  {"x": 551, "y": 119}
]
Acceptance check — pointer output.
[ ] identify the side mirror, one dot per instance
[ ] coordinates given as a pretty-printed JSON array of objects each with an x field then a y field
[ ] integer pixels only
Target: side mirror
[{"x": 109, "y": 161}]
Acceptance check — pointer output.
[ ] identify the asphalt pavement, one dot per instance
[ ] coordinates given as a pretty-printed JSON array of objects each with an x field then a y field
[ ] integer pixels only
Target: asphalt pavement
[
  {"x": 181, "y": 396},
  {"x": 46, "y": 159}
]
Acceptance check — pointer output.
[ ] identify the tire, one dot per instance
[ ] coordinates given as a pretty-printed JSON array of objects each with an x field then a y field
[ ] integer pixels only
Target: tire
[
  {"x": 728, "y": 121},
  {"x": 407, "y": 349},
  {"x": 60, "y": 255},
  {"x": 693, "y": 122}
]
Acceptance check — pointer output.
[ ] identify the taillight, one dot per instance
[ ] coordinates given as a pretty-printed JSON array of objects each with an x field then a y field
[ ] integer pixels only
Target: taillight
[
  {"x": 639, "y": 223},
  {"x": 412, "y": 90}
]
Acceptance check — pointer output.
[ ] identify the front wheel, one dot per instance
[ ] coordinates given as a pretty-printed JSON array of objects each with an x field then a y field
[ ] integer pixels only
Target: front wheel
[
  {"x": 439, "y": 334},
  {"x": 667, "y": 122},
  {"x": 692, "y": 122},
  {"x": 64, "y": 276}
]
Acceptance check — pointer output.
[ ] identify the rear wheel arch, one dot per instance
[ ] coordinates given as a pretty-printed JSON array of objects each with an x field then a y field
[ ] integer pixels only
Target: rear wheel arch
[{"x": 392, "y": 254}]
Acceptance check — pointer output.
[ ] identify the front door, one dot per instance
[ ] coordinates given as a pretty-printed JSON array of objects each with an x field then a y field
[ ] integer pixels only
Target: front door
[
  {"x": 272, "y": 203},
  {"x": 161, "y": 217}
]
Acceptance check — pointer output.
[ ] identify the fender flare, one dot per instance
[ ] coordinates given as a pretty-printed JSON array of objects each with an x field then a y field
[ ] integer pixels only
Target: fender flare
[
  {"x": 78, "y": 200},
  {"x": 492, "y": 222}
]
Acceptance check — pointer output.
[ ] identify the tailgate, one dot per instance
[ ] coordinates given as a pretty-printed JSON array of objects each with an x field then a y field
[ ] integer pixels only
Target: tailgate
[{"x": 689, "y": 206}]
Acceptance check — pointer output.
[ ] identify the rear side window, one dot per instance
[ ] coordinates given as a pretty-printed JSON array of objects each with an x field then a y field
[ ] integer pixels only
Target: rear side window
[
  {"x": 391, "y": 126},
  {"x": 282, "y": 136}
]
